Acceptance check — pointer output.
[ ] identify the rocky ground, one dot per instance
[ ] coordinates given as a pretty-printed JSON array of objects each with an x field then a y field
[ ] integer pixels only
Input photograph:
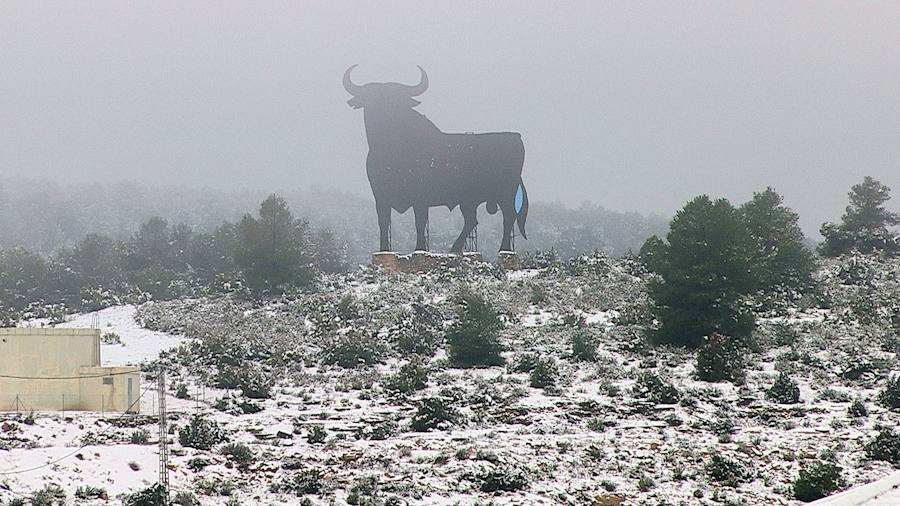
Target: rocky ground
[{"x": 346, "y": 395}]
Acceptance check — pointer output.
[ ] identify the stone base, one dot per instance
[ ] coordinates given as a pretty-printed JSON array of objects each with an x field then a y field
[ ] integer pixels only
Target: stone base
[
  {"x": 509, "y": 261},
  {"x": 420, "y": 262},
  {"x": 388, "y": 261}
]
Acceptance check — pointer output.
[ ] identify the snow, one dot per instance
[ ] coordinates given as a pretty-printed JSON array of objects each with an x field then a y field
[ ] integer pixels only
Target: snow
[
  {"x": 592, "y": 429},
  {"x": 138, "y": 344}
]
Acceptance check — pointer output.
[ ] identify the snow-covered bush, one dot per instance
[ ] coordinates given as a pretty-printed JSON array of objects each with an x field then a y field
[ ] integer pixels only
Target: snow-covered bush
[
  {"x": 784, "y": 390},
  {"x": 365, "y": 491},
  {"x": 727, "y": 471},
  {"x": 111, "y": 338},
  {"x": 584, "y": 346},
  {"x": 316, "y": 434},
  {"x": 185, "y": 498},
  {"x": 434, "y": 413},
  {"x": 524, "y": 362},
  {"x": 500, "y": 479},
  {"x": 414, "y": 332},
  {"x": 885, "y": 446},
  {"x": 353, "y": 349},
  {"x": 201, "y": 433},
  {"x": 544, "y": 374},
  {"x": 718, "y": 359},
  {"x": 250, "y": 380},
  {"x": 51, "y": 495},
  {"x": 300, "y": 483},
  {"x": 411, "y": 376},
  {"x": 857, "y": 409},
  {"x": 239, "y": 453},
  {"x": 154, "y": 495},
  {"x": 473, "y": 340},
  {"x": 91, "y": 492},
  {"x": 653, "y": 388},
  {"x": 140, "y": 437},
  {"x": 889, "y": 397},
  {"x": 817, "y": 480},
  {"x": 236, "y": 405}
]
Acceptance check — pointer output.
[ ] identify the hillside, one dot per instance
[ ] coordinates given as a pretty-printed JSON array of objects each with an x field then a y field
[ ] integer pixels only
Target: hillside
[{"x": 348, "y": 395}]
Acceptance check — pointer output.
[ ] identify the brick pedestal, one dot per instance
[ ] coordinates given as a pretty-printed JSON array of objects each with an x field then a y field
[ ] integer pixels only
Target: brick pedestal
[
  {"x": 421, "y": 261},
  {"x": 509, "y": 261},
  {"x": 388, "y": 261}
]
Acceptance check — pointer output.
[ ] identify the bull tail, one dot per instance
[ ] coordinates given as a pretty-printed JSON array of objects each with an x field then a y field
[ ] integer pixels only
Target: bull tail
[{"x": 521, "y": 204}]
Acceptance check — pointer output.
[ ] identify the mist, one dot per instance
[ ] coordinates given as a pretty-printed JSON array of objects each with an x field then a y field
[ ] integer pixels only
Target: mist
[{"x": 635, "y": 106}]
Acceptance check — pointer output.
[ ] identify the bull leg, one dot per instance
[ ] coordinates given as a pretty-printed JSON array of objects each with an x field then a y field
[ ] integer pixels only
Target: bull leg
[
  {"x": 421, "y": 223},
  {"x": 384, "y": 225},
  {"x": 509, "y": 219},
  {"x": 469, "y": 212}
]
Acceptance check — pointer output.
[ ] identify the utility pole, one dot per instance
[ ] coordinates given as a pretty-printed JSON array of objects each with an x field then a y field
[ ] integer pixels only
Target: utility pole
[{"x": 163, "y": 434}]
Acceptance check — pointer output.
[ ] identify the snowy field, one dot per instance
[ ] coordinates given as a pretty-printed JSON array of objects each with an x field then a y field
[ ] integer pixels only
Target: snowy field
[{"x": 341, "y": 434}]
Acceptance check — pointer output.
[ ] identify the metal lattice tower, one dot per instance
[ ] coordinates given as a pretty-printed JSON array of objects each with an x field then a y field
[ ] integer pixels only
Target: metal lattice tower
[
  {"x": 472, "y": 240},
  {"x": 163, "y": 435}
]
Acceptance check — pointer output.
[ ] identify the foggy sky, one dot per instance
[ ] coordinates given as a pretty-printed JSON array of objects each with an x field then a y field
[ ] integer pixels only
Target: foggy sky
[{"x": 635, "y": 106}]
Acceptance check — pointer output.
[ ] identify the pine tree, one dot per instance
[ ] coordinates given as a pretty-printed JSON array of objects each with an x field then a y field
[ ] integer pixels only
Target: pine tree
[
  {"x": 866, "y": 223},
  {"x": 782, "y": 264},
  {"x": 705, "y": 274},
  {"x": 271, "y": 249},
  {"x": 474, "y": 339}
]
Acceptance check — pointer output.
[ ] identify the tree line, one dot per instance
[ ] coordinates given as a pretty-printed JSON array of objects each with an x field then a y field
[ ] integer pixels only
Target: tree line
[
  {"x": 259, "y": 255},
  {"x": 719, "y": 264},
  {"x": 44, "y": 216}
]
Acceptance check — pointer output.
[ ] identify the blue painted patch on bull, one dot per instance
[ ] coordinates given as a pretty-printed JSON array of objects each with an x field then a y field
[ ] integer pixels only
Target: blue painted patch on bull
[{"x": 520, "y": 199}]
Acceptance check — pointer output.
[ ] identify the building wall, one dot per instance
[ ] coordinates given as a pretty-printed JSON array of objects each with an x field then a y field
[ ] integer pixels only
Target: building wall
[
  {"x": 118, "y": 390},
  {"x": 32, "y": 353}
]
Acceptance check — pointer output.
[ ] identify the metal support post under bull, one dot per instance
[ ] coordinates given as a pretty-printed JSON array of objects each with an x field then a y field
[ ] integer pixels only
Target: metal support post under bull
[{"x": 472, "y": 240}]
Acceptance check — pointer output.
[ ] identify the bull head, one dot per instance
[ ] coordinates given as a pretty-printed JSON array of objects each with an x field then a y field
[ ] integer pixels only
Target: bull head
[{"x": 388, "y": 95}]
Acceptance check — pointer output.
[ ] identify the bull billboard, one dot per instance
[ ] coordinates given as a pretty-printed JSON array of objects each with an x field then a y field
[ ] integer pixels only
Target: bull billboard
[{"x": 413, "y": 164}]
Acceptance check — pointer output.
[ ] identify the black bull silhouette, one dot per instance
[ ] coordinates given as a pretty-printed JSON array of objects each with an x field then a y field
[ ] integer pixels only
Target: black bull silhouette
[{"x": 412, "y": 163}]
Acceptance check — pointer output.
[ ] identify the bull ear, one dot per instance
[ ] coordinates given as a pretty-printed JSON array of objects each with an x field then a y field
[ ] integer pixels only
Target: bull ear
[{"x": 356, "y": 102}]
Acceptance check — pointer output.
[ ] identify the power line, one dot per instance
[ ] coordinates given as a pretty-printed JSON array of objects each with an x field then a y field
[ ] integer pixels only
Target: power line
[{"x": 86, "y": 376}]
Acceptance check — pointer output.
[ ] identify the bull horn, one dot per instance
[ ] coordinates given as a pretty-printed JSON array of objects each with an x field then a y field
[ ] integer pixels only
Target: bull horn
[
  {"x": 351, "y": 88},
  {"x": 421, "y": 87}
]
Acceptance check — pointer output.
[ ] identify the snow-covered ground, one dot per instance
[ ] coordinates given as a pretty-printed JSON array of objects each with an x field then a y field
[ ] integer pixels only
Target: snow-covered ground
[
  {"x": 138, "y": 344},
  {"x": 590, "y": 438}
]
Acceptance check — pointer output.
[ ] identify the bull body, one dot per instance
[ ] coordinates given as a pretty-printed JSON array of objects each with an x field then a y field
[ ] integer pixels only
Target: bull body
[{"x": 413, "y": 164}]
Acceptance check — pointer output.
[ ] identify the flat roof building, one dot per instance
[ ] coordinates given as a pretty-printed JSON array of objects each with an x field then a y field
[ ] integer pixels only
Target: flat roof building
[{"x": 44, "y": 369}]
